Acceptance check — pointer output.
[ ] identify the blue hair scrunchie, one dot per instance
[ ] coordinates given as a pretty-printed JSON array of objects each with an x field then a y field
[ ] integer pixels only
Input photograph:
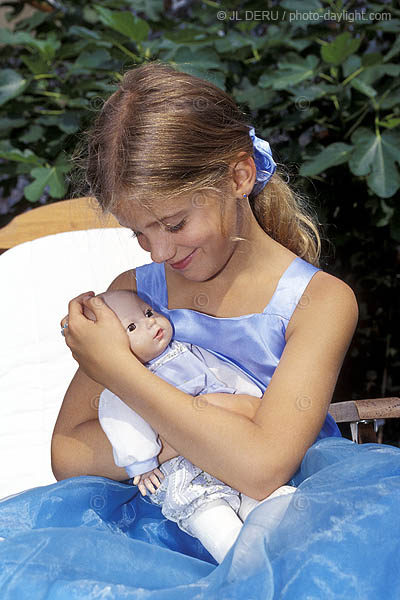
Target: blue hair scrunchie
[{"x": 265, "y": 164}]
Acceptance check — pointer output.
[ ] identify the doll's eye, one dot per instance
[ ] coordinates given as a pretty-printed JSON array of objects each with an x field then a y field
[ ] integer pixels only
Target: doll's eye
[
  {"x": 149, "y": 312},
  {"x": 131, "y": 327}
]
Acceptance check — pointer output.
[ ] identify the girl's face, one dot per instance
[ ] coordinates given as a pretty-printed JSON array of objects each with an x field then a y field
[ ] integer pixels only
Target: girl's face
[{"x": 185, "y": 234}]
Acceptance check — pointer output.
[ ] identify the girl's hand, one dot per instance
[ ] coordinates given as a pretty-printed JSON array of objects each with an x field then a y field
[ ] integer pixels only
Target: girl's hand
[
  {"x": 98, "y": 346},
  {"x": 146, "y": 480}
]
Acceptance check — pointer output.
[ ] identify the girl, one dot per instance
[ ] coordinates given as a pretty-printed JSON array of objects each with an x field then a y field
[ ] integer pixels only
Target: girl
[
  {"x": 236, "y": 269},
  {"x": 224, "y": 238}
]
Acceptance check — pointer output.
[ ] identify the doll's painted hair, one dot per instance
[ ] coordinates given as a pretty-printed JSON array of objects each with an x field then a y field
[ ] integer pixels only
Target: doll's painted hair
[{"x": 164, "y": 133}]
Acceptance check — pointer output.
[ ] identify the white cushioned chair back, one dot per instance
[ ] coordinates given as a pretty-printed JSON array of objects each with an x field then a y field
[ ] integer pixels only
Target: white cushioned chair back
[{"x": 37, "y": 281}]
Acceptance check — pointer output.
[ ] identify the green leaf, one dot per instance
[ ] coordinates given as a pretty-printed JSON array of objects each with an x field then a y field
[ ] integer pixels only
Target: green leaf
[
  {"x": 97, "y": 59},
  {"x": 70, "y": 122},
  {"x": 14, "y": 154},
  {"x": 51, "y": 176},
  {"x": 292, "y": 70},
  {"x": 388, "y": 213},
  {"x": 373, "y": 74},
  {"x": 394, "y": 51},
  {"x": 350, "y": 65},
  {"x": 36, "y": 64},
  {"x": 232, "y": 42},
  {"x": 390, "y": 123},
  {"x": 15, "y": 38},
  {"x": 11, "y": 85},
  {"x": 362, "y": 87},
  {"x": 48, "y": 47},
  {"x": 201, "y": 60},
  {"x": 371, "y": 59},
  {"x": 153, "y": 9},
  {"x": 389, "y": 26},
  {"x": 254, "y": 96},
  {"x": 389, "y": 100},
  {"x": 333, "y": 155},
  {"x": 34, "y": 133},
  {"x": 89, "y": 34},
  {"x": 311, "y": 92},
  {"x": 9, "y": 123},
  {"x": 375, "y": 156},
  {"x": 124, "y": 22},
  {"x": 341, "y": 47}
]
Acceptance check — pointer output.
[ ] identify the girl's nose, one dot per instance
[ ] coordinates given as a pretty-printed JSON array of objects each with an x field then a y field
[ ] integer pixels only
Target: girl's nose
[{"x": 161, "y": 247}]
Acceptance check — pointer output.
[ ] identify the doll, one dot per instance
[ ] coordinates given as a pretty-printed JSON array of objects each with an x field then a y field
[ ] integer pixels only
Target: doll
[{"x": 199, "y": 503}]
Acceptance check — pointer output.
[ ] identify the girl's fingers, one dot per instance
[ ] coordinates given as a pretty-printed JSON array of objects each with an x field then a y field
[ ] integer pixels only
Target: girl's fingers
[
  {"x": 75, "y": 305},
  {"x": 136, "y": 480},
  {"x": 63, "y": 321}
]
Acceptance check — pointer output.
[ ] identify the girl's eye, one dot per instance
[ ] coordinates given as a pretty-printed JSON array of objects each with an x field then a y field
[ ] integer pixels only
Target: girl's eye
[
  {"x": 175, "y": 228},
  {"x": 131, "y": 327},
  {"x": 135, "y": 234},
  {"x": 149, "y": 312}
]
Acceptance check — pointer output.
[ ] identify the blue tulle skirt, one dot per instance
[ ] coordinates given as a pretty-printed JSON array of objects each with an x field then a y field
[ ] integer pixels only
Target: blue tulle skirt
[{"x": 90, "y": 537}]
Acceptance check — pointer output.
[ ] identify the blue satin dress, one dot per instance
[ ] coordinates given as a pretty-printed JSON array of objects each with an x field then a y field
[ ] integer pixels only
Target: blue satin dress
[{"x": 91, "y": 537}]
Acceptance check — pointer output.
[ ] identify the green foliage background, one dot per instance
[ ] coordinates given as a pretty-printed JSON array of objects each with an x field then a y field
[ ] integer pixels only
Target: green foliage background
[{"x": 319, "y": 80}]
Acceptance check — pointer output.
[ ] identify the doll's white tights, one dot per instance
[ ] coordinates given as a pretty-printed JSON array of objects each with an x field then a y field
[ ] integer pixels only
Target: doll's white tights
[
  {"x": 217, "y": 526},
  {"x": 248, "y": 504}
]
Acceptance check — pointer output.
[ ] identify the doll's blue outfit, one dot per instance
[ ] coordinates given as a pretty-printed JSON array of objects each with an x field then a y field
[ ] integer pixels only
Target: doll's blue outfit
[
  {"x": 91, "y": 537},
  {"x": 185, "y": 487}
]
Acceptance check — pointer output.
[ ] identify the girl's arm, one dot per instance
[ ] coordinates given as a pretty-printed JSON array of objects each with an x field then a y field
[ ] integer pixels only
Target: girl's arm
[
  {"x": 222, "y": 443},
  {"x": 237, "y": 403},
  {"x": 79, "y": 445}
]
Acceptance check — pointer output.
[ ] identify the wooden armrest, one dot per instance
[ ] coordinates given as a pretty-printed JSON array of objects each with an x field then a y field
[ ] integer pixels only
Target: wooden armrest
[
  {"x": 66, "y": 215},
  {"x": 371, "y": 408}
]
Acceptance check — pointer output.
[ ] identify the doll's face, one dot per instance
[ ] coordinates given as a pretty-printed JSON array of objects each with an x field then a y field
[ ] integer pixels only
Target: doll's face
[{"x": 149, "y": 332}]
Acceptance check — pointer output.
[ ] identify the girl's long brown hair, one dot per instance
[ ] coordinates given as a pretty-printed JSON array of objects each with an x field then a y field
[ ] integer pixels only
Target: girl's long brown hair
[{"x": 164, "y": 133}]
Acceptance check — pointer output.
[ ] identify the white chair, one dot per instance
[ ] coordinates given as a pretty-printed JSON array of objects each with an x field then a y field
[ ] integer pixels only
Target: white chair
[{"x": 37, "y": 279}]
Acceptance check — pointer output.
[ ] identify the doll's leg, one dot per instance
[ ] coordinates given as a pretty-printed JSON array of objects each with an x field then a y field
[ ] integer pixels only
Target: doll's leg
[
  {"x": 216, "y": 525},
  {"x": 135, "y": 443},
  {"x": 248, "y": 504}
]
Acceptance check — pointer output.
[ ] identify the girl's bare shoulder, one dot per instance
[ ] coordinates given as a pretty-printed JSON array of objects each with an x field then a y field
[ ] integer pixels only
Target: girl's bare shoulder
[
  {"x": 325, "y": 297},
  {"x": 124, "y": 281}
]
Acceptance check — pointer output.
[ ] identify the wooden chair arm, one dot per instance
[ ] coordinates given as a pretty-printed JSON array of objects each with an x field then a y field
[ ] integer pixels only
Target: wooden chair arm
[
  {"x": 370, "y": 408},
  {"x": 67, "y": 215}
]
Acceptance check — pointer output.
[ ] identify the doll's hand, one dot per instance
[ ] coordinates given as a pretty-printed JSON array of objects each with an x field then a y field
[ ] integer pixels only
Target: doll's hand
[
  {"x": 146, "y": 480},
  {"x": 98, "y": 346}
]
